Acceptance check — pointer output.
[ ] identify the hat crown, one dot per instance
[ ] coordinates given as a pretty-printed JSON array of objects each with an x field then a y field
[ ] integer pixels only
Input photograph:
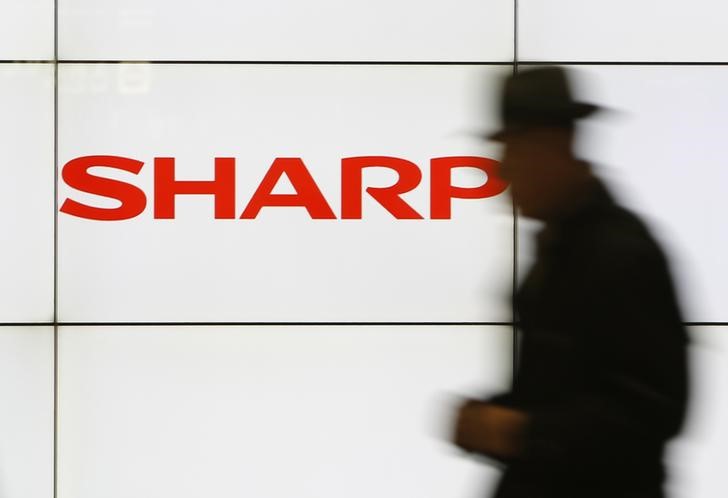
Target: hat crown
[{"x": 541, "y": 95}]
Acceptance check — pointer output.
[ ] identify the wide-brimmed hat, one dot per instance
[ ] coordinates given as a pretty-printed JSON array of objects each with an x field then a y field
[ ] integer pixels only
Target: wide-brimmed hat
[{"x": 538, "y": 97}]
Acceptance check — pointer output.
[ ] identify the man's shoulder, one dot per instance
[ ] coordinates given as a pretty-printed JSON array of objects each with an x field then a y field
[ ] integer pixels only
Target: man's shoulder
[
  {"x": 616, "y": 239},
  {"x": 618, "y": 227},
  {"x": 612, "y": 228}
]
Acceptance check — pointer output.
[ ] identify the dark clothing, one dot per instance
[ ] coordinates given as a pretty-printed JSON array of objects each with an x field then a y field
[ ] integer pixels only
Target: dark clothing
[{"x": 602, "y": 370}]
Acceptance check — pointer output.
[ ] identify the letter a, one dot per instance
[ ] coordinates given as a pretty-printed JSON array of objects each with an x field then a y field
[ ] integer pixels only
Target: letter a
[{"x": 307, "y": 193}]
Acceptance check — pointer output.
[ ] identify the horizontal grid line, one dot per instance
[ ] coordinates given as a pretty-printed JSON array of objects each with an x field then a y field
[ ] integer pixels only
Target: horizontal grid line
[
  {"x": 283, "y": 62},
  {"x": 27, "y": 324},
  {"x": 372, "y": 63},
  {"x": 288, "y": 324},
  {"x": 246, "y": 324},
  {"x": 28, "y": 61}
]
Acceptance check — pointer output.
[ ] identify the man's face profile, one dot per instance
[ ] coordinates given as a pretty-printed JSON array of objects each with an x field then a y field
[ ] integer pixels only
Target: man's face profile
[{"x": 534, "y": 163}]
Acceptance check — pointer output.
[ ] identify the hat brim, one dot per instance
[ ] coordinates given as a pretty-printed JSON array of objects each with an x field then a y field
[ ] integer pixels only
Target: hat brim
[
  {"x": 546, "y": 117},
  {"x": 500, "y": 135}
]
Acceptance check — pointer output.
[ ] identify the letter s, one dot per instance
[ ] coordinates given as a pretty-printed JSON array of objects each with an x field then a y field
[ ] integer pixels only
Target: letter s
[{"x": 76, "y": 175}]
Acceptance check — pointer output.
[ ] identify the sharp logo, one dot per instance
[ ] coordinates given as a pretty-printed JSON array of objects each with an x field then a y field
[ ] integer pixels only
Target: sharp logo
[{"x": 133, "y": 200}]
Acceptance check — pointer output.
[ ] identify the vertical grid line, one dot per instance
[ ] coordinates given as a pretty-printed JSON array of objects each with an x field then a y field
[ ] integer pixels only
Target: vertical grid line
[
  {"x": 515, "y": 35},
  {"x": 514, "y": 285},
  {"x": 55, "y": 248}
]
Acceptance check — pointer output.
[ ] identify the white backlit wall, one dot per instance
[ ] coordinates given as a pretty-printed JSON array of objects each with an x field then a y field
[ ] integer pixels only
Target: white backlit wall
[
  {"x": 270, "y": 411},
  {"x": 282, "y": 265},
  {"x": 622, "y": 30},
  {"x": 696, "y": 458},
  {"x": 286, "y": 30},
  {"x": 26, "y": 420},
  {"x": 26, "y": 192},
  {"x": 26, "y": 30},
  {"x": 282, "y": 355}
]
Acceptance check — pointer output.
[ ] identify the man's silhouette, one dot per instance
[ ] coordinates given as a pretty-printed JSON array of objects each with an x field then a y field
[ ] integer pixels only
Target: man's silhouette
[{"x": 601, "y": 384}]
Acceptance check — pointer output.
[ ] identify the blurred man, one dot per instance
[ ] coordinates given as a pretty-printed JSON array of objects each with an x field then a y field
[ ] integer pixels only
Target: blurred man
[{"x": 601, "y": 382}]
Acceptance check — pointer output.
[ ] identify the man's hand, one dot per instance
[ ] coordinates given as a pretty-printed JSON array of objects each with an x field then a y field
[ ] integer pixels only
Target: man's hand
[{"x": 490, "y": 429}]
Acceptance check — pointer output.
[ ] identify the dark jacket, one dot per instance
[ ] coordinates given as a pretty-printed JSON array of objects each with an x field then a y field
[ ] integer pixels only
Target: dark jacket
[{"x": 602, "y": 362}]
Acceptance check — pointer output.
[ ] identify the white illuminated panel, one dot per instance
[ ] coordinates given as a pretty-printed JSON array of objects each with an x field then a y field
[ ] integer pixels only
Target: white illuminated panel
[
  {"x": 662, "y": 148},
  {"x": 271, "y": 411},
  {"x": 622, "y": 30},
  {"x": 26, "y": 192},
  {"x": 26, "y": 419},
  {"x": 283, "y": 265},
  {"x": 26, "y": 30},
  {"x": 287, "y": 30},
  {"x": 697, "y": 458}
]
